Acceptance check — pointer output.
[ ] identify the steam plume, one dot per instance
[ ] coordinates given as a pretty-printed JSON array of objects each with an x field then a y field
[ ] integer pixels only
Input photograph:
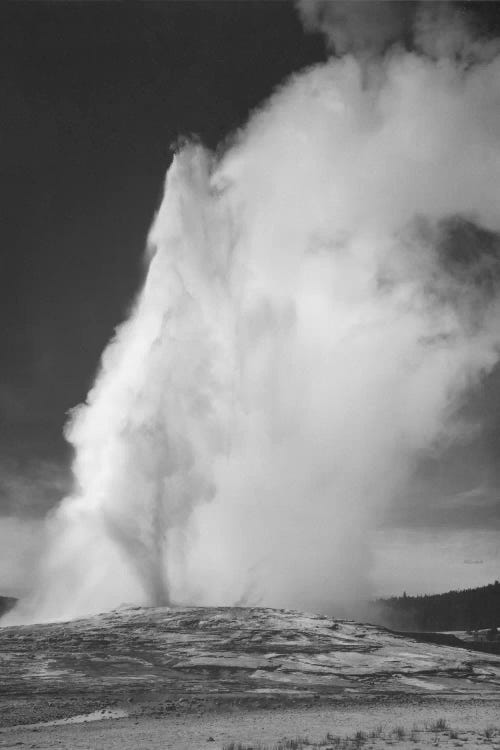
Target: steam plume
[
  {"x": 363, "y": 27},
  {"x": 310, "y": 324}
]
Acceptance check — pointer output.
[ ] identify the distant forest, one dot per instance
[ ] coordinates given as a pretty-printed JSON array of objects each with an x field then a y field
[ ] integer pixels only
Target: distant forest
[{"x": 470, "y": 609}]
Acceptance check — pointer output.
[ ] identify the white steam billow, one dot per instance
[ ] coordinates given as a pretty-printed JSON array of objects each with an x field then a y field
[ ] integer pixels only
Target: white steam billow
[{"x": 318, "y": 302}]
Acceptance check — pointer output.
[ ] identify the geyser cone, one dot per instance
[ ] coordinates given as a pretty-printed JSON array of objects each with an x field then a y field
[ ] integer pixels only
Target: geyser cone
[{"x": 305, "y": 335}]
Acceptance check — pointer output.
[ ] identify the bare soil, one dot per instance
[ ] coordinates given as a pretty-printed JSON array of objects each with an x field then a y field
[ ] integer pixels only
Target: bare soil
[{"x": 467, "y": 724}]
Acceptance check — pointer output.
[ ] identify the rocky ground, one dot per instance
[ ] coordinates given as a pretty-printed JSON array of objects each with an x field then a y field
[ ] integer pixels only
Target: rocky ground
[{"x": 179, "y": 677}]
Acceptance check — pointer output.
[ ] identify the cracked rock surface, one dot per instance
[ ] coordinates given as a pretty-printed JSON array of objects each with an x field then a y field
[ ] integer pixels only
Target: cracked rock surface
[{"x": 197, "y": 658}]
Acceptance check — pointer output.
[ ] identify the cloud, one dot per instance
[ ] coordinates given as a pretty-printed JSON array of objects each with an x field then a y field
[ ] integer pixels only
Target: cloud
[
  {"x": 423, "y": 562},
  {"x": 426, "y": 509},
  {"x": 369, "y": 28},
  {"x": 21, "y": 544},
  {"x": 31, "y": 488},
  {"x": 446, "y": 30}
]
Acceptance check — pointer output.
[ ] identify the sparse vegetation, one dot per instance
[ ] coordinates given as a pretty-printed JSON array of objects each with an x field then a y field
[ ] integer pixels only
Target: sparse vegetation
[
  {"x": 361, "y": 738},
  {"x": 295, "y": 743},
  {"x": 440, "y": 725},
  {"x": 330, "y": 739},
  {"x": 377, "y": 732},
  {"x": 292, "y": 743}
]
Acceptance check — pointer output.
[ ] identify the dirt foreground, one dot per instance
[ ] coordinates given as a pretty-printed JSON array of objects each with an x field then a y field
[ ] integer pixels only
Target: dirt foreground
[{"x": 442, "y": 723}]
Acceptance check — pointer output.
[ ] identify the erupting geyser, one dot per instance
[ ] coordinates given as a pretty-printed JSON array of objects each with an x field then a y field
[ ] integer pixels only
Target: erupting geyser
[{"x": 309, "y": 324}]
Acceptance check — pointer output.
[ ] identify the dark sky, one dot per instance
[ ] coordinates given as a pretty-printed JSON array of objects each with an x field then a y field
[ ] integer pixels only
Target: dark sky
[{"x": 93, "y": 96}]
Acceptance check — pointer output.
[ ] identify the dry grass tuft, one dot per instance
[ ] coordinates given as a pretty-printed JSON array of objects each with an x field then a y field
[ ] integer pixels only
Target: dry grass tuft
[{"x": 440, "y": 725}]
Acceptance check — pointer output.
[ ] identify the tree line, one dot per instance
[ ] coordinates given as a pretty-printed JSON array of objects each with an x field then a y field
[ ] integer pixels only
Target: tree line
[{"x": 470, "y": 609}]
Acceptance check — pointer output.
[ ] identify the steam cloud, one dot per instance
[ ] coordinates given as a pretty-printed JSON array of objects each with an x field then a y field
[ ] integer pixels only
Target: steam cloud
[
  {"x": 319, "y": 300},
  {"x": 362, "y": 27}
]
